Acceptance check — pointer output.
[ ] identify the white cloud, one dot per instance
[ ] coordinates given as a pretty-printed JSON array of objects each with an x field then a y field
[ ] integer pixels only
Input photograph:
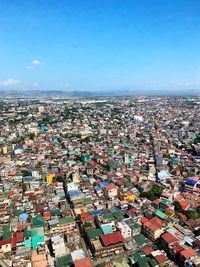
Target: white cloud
[
  {"x": 10, "y": 82},
  {"x": 35, "y": 84},
  {"x": 35, "y": 62}
]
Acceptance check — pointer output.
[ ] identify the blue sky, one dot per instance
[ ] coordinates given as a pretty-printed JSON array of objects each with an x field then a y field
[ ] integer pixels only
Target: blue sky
[{"x": 100, "y": 44}]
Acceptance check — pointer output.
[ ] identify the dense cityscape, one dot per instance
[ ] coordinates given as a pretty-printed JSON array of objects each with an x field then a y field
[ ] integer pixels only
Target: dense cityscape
[{"x": 100, "y": 181}]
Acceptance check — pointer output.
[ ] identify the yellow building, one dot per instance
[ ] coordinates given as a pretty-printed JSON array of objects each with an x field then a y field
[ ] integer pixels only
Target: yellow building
[
  {"x": 50, "y": 178},
  {"x": 127, "y": 196},
  {"x": 4, "y": 150}
]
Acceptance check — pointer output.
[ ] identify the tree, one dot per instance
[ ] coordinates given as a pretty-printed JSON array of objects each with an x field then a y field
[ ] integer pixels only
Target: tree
[
  {"x": 191, "y": 214},
  {"x": 177, "y": 206},
  {"x": 154, "y": 193},
  {"x": 31, "y": 136}
]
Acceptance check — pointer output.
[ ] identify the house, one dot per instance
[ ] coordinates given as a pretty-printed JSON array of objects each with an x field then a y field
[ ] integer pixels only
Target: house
[
  {"x": 66, "y": 224},
  {"x": 86, "y": 262},
  {"x": 38, "y": 259},
  {"x": 136, "y": 229},
  {"x": 124, "y": 229},
  {"x": 110, "y": 191},
  {"x": 58, "y": 246},
  {"x": 153, "y": 228},
  {"x": 187, "y": 256},
  {"x": 107, "y": 244},
  {"x": 167, "y": 241},
  {"x": 37, "y": 236},
  {"x": 129, "y": 196},
  {"x": 53, "y": 226}
]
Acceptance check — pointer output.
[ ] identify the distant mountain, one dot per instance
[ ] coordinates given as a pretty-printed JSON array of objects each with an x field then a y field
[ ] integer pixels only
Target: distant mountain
[
  {"x": 91, "y": 93},
  {"x": 32, "y": 93}
]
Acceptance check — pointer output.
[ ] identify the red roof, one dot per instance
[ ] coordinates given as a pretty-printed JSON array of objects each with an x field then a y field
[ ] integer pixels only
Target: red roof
[
  {"x": 86, "y": 262},
  {"x": 88, "y": 218},
  {"x": 28, "y": 194},
  {"x": 132, "y": 210},
  {"x": 40, "y": 208},
  {"x": 182, "y": 216},
  {"x": 19, "y": 237},
  {"x": 148, "y": 250},
  {"x": 184, "y": 204},
  {"x": 11, "y": 192},
  {"x": 47, "y": 215},
  {"x": 121, "y": 182},
  {"x": 161, "y": 258},
  {"x": 84, "y": 215},
  {"x": 21, "y": 227},
  {"x": 93, "y": 163},
  {"x": 156, "y": 201},
  {"x": 177, "y": 248},
  {"x": 144, "y": 220},
  {"x": 154, "y": 224},
  {"x": 169, "y": 211},
  {"x": 5, "y": 242},
  {"x": 188, "y": 253},
  {"x": 169, "y": 238},
  {"x": 111, "y": 239},
  {"x": 110, "y": 187}
]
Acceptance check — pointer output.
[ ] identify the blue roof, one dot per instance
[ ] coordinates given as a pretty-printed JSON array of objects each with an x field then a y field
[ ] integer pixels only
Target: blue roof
[
  {"x": 43, "y": 128},
  {"x": 107, "y": 229},
  {"x": 19, "y": 147},
  {"x": 28, "y": 177},
  {"x": 23, "y": 216},
  {"x": 191, "y": 182},
  {"x": 103, "y": 184},
  {"x": 74, "y": 193},
  {"x": 98, "y": 188},
  {"x": 97, "y": 212},
  {"x": 47, "y": 209}
]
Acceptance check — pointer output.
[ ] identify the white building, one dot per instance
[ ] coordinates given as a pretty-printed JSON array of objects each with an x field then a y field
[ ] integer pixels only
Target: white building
[{"x": 124, "y": 229}]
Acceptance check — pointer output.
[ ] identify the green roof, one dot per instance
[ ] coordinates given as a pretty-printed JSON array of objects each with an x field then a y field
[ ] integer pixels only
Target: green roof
[
  {"x": 18, "y": 212},
  {"x": 7, "y": 235},
  {"x": 64, "y": 261},
  {"x": 6, "y": 228},
  {"x": 87, "y": 200},
  {"x": 140, "y": 239},
  {"x": 94, "y": 233},
  {"x": 56, "y": 212},
  {"x": 152, "y": 262},
  {"x": 108, "y": 216},
  {"x": 128, "y": 183},
  {"x": 85, "y": 179},
  {"x": 27, "y": 231},
  {"x": 68, "y": 219},
  {"x": 164, "y": 201},
  {"x": 38, "y": 221},
  {"x": 37, "y": 231},
  {"x": 138, "y": 256},
  {"x": 118, "y": 215},
  {"x": 136, "y": 226},
  {"x": 143, "y": 263},
  {"x": 160, "y": 214}
]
